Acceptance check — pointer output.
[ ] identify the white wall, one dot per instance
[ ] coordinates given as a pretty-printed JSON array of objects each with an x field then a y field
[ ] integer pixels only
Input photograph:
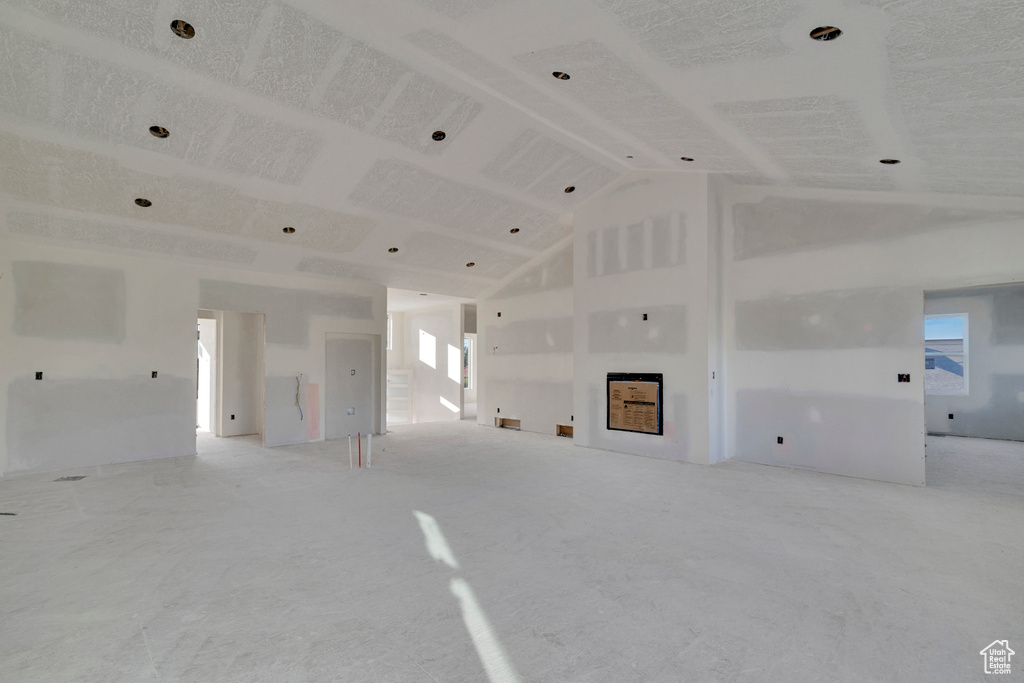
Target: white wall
[
  {"x": 432, "y": 384},
  {"x": 240, "y": 368},
  {"x": 994, "y": 405},
  {"x": 822, "y": 309},
  {"x": 642, "y": 247},
  {"x": 206, "y": 410},
  {"x": 524, "y": 357},
  {"x": 99, "y": 324}
]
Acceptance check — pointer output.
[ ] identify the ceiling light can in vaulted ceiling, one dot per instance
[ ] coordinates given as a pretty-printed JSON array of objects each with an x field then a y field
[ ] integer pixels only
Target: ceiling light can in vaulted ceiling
[
  {"x": 183, "y": 29},
  {"x": 470, "y": 264},
  {"x": 560, "y": 75},
  {"x": 514, "y": 230},
  {"x": 570, "y": 189},
  {"x": 422, "y": 294},
  {"x": 288, "y": 231},
  {"x": 686, "y": 158},
  {"x": 823, "y": 33},
  {"x": 889, "y": 161},
  {"x": 393, "y": 250},
  {"x": 143, "y": 202},
  {"x": 159, "y": 131},
  {"x": 438, "y": 135}
]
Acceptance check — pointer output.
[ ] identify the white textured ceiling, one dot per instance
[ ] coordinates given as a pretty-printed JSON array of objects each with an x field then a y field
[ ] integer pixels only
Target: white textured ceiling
[{"x": 319, "y": 114}]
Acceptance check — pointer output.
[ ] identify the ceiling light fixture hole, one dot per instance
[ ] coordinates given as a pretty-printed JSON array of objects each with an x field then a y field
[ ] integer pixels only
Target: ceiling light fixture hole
[
  {"x": 393, "y": 250},
  {"x": 571, "y": 188},
  {"x": 470, "y": 264},
  {"x": 422, "y": 294},
  {"x": 514, "y": 230},
  {"x": 159, "y": 131},
  {"x": 143, "y": 202},
  {"x": 823, "y": 33},
  {"x": 288, "y": 231},
  {"x": 889, "y": 161},
  {"x": 686, "y": 158},
  {"x": 438, "y": 135},
  {"x": 183, "y": 29},
  {"x": 560, "y": 75}
]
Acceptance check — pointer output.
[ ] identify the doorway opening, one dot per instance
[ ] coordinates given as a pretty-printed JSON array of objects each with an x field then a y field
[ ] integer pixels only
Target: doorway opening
[{"x": 229, "y": 375}]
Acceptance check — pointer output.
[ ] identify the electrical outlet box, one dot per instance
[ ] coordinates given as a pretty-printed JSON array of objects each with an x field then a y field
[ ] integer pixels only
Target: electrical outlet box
[
  {"x": 232, "y": 417},
  {"x": 645, "y": 316},
  {"x": 779, "y": 439},
  {"x": 951, "y": 416},
  {"x": 154, "y": 374},
  {"x": 903, "y": 377},
  {"x": 39, "y": 375}
]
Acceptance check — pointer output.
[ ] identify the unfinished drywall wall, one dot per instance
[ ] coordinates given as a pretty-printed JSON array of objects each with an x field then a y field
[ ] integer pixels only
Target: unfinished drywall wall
[
  {"x": 433, "y": 349},
  {"x": 641, "y": 305},
  {"x": 994, "y": 404},
  {"x": 818, "y": 322},
  {"x": 524, "y": 356},
  {"x": 104, "y": 404},
  {"x": 351, "y": 391},
  {"x": 241, "y": 373}
]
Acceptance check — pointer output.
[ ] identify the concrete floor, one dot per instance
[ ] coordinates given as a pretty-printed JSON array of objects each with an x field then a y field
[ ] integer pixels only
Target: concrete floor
[{"x": 555, "y": 564}]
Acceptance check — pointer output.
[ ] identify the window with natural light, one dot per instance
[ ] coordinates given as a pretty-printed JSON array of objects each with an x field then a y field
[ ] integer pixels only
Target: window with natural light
[
  {"x": 390, "y": 328},
  {"x": 945, "y": 354},
  {"x": 467, "y": 363}
]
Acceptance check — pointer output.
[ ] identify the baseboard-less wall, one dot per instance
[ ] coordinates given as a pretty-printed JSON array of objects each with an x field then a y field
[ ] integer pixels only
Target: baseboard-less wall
[{"x": 98, "y": 402}]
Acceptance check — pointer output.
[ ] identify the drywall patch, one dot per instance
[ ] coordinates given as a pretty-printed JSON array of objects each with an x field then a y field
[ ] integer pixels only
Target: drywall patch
[
  {"x": 551, "y": 274},
  {"x": 857, "y": 436},
  {"x": 655, "y": 242},
  {"x": 625, "y": 330},
  {"x": 289, "y": 311},
  {"x": 779, "y": 225},
  {"x": 110, "y": 235},
  {"x": 872, "y": 318},
  {"x": 63, "y": 424},
  {"x": 60, "y": 301},
  {"x": 552, "y": 335}
]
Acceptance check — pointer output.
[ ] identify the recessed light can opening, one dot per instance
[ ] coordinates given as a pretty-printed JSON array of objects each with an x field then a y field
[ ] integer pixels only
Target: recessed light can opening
[
  {"x": 289, "y": 230},
  {"x": 824, "y": 33},
  {"x": 183, "y": 29},
  {"x": 686, "y": 158},
  {"x": 470, "y": 264},
  {"x": 438, "y": 135},
  {"x": 514, "y": 230},
  {"x": 571, "y": 188},
  {"x": 889, "y": 161},
  {"x": 159, "y": 131},
  {"x": 143, "y": 202},
  {"x": 393, "y": 250},
  {"x": 560, "y": 75}
]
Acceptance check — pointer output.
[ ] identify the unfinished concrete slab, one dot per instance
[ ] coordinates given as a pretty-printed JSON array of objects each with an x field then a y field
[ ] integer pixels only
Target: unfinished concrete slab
[{"x": 469, "y": 554}]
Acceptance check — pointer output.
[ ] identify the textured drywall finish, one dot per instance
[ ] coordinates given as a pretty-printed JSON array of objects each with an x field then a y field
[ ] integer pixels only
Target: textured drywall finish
[
  {"x": 701, "y": 33},
  {"x": 63, "y": 230},
  {"x": 524, "y": 358},
  {"x": 994, "y": 405},
  {"x": 398, "y": 187},
  {"x": 777, "y": 225},
  {"x": 59, "y": 301},
  {"x": 350, "y": 384},
  {"x": 289, "y": 311},
  {"x": 866, "y": 318},
  {"x": 610, "y": 334},
  {"x": 66, "y": 423},
  {"x": 832, "y": 433},
  {"x": 611, "y": 88},
  {"x": 241, "y": 371},
  {"x": 543, "y": 168}
]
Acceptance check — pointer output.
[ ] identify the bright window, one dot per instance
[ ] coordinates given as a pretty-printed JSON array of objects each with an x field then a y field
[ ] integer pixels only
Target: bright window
[
  {"x": 945, "y": 354},
  {"x": 389, "y": 348},
  {"x": 467, "y": 363}
]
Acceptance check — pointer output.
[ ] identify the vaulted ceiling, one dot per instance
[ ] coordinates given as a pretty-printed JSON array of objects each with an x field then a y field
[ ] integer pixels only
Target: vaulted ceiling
[{"x": 321, "y": 116}]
